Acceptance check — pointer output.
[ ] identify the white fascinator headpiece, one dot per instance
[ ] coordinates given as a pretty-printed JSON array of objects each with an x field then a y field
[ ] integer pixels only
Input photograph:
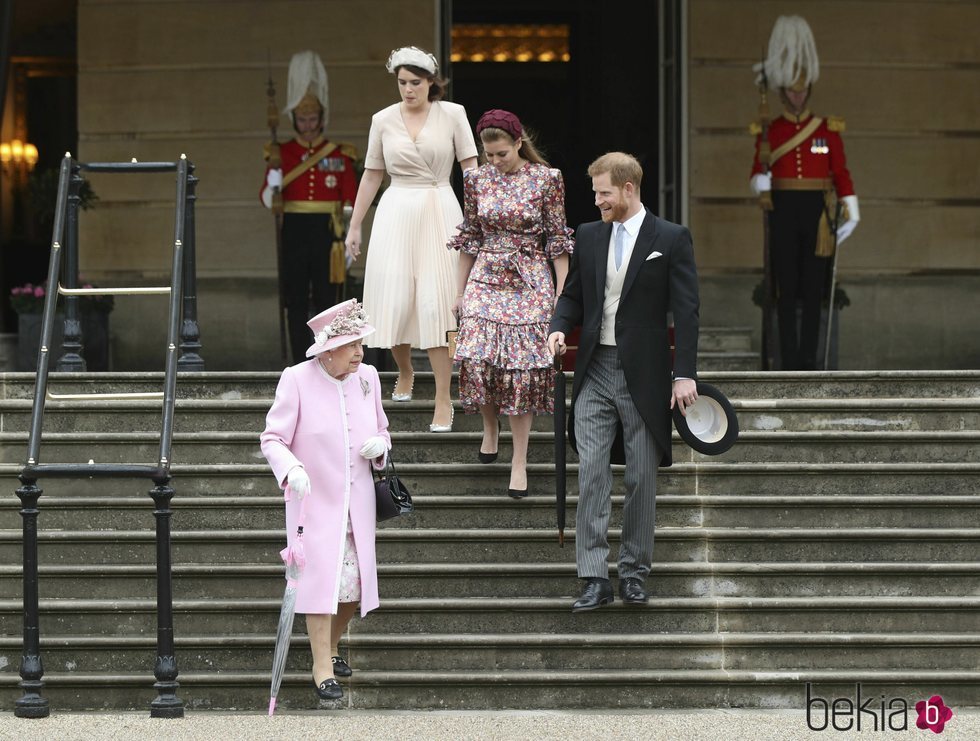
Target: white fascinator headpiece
[{"x": 414, "y": 56}]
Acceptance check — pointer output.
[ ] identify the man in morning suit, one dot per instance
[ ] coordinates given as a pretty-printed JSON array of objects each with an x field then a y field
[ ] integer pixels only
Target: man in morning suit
[{"x": 628, "y": 270}]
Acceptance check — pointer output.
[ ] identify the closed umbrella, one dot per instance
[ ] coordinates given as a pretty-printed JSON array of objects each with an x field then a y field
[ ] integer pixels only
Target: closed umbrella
[
  {"x": 560, "y": 485},
  {"x": 295, "y": 559}
]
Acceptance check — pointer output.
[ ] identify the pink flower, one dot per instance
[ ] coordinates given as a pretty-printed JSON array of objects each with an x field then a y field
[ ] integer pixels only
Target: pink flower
[
  {"x": 933, "y": 714},
  {"x": 39, "y": 292},
  {"x": 16, "y": 291}
]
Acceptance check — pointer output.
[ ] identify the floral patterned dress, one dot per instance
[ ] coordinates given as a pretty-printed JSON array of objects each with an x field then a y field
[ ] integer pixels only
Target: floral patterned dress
[{"x": 514, "y": 224}]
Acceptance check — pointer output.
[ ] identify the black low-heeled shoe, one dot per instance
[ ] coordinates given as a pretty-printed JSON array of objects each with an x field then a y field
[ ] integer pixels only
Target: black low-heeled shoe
[
  {"x": 517, "y": 493},
  {"x": 328, "y": 689},
  {"x": 341, "y": 668}
]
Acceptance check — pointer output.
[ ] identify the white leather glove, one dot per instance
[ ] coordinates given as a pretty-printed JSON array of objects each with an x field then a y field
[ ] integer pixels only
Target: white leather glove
[
  {"x": 272, "y": 181},
  {"x": 299, "y": 482},
  {"x": 760, "y": 182},
  {"x": 853, "y": 217},
  {"x": 374, "y": 447}
]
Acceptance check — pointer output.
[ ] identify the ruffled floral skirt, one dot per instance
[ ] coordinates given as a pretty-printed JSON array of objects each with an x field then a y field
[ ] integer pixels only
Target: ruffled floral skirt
[
  {"x": 514, "y": 392},
  {"x": 502, "y": 347}
]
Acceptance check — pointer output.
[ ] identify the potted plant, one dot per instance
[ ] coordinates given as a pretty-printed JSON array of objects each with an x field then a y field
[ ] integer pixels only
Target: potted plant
[{"x": 28, "y": 302}]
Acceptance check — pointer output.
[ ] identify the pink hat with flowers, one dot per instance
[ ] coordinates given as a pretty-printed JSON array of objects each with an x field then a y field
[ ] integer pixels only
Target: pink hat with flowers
[{"x": 337, "y": 326}]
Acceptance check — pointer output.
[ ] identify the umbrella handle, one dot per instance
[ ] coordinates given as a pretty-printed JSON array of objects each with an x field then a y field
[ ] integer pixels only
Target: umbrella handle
[{"x": 302, "y": 516}]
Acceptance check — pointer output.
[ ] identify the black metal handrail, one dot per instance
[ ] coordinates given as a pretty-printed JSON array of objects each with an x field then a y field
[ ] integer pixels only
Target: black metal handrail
[{"x": 166, "y": 704}]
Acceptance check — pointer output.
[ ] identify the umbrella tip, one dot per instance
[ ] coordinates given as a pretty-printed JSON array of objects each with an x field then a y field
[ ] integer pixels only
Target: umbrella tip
[
  {"x": 272, "y": 706},
  {"x": 561, "y": 538}
]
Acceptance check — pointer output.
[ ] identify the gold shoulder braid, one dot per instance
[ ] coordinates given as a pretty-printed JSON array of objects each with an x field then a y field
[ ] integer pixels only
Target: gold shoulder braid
[
  {"x": 836, "y": 123},
  {"x": 755, "y": 128}
]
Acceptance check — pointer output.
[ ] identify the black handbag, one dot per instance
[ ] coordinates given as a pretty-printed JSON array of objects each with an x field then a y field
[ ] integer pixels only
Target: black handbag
[{"x": 391, "y": 493}]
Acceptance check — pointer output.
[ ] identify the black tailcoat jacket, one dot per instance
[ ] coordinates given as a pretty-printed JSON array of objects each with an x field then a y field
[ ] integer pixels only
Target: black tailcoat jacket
[{"x": 651, "y": 288}]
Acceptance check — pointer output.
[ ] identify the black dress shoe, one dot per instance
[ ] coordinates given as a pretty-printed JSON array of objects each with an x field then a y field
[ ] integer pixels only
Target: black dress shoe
[
  {"x": 517, "y": 493},
  {"x": 341, "y": 668},
  {"x": 595, "y": 593},
  {"x": 631, "y": 591},
  {"x": 328, "y": 689}
]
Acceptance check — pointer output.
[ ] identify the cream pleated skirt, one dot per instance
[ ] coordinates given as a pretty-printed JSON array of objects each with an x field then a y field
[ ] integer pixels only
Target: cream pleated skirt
[{"x": 410, "y": 275}]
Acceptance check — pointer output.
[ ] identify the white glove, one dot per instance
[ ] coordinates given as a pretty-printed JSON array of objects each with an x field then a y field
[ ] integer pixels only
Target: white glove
[
  {"x": 274, "y": 179},
  {"x": 299, "y": 482},
  {"x": 374, "y": 447},
  {"x": 760, "y": 182},
  {"x": 853, "y": 217}
]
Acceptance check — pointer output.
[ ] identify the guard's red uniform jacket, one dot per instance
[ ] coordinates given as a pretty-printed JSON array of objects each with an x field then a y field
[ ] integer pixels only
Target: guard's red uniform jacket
[
  {"x": 330, "y": 181},
  {"x": 816, "y": 163}
]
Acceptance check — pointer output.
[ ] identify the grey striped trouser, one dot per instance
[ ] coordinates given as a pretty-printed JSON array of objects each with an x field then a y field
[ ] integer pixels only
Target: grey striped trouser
[{"x": 602, "y": 401}]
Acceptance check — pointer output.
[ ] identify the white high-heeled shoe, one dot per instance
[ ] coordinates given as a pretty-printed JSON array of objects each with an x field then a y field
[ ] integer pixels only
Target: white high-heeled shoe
[
  {"x": 445, "y": 428},
  {"x": 404, "y": 397}
]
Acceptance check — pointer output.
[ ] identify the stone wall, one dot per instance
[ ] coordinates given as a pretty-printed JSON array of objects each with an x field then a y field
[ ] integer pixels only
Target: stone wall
[
  {"x": 162, "y": 77},
  {"x": 904, "y": 75},
  {"x": 158, "y": 78}
]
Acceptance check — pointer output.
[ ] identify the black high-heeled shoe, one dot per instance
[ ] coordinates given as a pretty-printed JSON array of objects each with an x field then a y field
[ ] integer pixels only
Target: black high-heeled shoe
[
  {"x": 328, "y": 689},
  {"x": 490, "y": 457}
]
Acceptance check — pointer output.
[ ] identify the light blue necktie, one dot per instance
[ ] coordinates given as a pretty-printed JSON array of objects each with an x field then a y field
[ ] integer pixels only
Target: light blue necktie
[{"x": 620, "y": 244}]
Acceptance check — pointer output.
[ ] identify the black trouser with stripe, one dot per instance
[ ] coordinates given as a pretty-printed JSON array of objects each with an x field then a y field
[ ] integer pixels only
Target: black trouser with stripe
[
  {"x": 306, "y": 243},
  {"x": 800, "y": 276}
]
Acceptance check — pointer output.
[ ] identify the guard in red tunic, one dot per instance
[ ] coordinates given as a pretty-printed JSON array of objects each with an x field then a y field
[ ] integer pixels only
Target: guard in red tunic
[
  {"x": 317, "y": 180},
  {"x": 806, "y": 169}
]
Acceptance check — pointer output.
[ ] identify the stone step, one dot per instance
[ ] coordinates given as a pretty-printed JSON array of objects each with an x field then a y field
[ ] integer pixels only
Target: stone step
[
  {"x": 670, "y": 579},
  {"x": 725, "y": 339},
  {"x": 735, "y": 384},
  {"x": 462, "y": 447},
  {"x": 402, "y": 616},
  {"x": 248, "y": 415},
  {"x": 521, "y": 651},
  {"x": 434, "y": 511},
  {"x": 564, "y": 690},
  {"x": 405, "y": 545},
  {"x": 703, "y": 478},
  {"x": 727, "y": 360}
]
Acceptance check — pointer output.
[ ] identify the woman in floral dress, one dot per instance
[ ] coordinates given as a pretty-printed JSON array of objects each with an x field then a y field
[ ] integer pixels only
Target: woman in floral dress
[{"x": 514, "y": 227}]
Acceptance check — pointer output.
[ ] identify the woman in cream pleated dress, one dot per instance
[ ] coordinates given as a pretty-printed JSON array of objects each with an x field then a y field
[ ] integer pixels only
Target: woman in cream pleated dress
[{"x": 409, "y": 278}]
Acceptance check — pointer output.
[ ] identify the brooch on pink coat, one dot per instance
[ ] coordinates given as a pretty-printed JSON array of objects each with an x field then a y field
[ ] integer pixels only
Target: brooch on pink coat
[{"x": 365, "y": 388}]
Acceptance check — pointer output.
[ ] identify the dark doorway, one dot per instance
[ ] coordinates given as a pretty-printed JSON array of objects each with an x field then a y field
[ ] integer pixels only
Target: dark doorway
[
  {"x": 40, "y": 56},
  {"x": 603, "y": 98}
]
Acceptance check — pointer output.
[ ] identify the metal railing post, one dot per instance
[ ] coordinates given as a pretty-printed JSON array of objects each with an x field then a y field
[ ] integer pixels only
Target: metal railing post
[
  {"x": 190, "y": 333},
  {"x": 71, "y": 358},
  {"x": 166, "y": 704},
  {"x": 31, "y": 704}
]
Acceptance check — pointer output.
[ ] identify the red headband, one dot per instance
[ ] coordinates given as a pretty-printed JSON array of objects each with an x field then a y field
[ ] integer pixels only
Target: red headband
[{"x": 500, "y": 119}]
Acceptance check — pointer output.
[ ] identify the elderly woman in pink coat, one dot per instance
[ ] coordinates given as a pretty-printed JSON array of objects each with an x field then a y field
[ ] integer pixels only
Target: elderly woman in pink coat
[{"x": 324, "y": 432}]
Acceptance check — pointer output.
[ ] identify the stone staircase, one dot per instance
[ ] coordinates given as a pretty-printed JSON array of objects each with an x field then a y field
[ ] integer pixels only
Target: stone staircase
[{"x": 836, "y": 543}]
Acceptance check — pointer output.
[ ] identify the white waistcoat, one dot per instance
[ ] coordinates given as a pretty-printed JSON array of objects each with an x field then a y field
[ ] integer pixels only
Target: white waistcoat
[{"x": 610, "y": 303}]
